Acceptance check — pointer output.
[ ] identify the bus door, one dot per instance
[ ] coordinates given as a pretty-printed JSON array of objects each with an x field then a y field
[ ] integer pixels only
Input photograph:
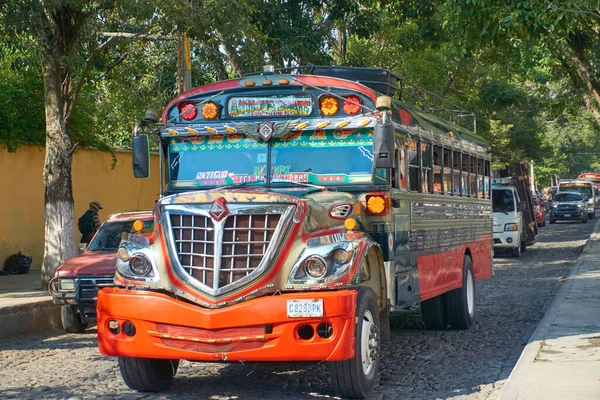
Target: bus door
[{"x": 400, "y": 283}]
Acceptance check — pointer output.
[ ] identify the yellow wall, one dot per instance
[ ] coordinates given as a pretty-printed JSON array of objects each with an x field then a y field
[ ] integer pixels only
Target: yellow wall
[{"x": 22, "y": 194}]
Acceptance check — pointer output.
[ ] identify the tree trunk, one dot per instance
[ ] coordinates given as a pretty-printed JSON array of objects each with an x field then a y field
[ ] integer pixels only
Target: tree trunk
[{"x": 58, "y": 194}]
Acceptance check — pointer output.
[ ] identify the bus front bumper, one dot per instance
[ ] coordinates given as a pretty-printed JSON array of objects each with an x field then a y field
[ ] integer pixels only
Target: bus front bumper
[{"x": 153, "y": 325}]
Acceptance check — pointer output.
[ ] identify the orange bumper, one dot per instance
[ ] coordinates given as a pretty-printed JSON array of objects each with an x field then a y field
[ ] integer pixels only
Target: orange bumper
[{"x": 255, "y": 330}]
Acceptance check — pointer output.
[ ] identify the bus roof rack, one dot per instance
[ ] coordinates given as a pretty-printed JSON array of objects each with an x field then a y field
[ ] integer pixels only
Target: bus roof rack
[{"x": 386, "y": 82}]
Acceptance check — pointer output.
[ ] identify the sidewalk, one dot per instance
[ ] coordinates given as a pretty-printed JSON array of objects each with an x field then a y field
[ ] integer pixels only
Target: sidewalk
[
  {"x": 24, "y": 307},
  {"x": 562, "y": 358}
]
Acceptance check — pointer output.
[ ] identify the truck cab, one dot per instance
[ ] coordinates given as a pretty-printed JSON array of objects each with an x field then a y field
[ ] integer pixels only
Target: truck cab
[{"x": 508, "y": 217}]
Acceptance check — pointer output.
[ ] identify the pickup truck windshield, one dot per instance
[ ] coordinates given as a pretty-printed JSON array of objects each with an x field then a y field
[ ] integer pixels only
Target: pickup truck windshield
[
  {"x": 318, "y": 157},
  {"x": 503, "y": 200},
  {"x": 567, "y": 197},
  {"x": 108, "y": 236}
]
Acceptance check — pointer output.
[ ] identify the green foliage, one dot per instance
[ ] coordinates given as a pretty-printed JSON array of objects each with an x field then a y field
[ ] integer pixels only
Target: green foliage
[{"x": 22, "y": 111}]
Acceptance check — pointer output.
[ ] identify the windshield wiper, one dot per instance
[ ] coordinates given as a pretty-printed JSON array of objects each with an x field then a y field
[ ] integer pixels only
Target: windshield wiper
[
  {"x": 309, "y": 185},
  {"x": 241, "y": 184}
]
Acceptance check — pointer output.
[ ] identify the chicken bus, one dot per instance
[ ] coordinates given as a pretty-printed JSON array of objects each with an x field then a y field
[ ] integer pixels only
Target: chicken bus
[{"x": 299, "y": 208}]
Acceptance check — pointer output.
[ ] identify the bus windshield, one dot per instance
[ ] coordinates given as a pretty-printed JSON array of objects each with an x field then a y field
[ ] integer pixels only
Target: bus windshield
[
  {"x": 319, "y": 157},
  {"x": 584, "y": 188}
]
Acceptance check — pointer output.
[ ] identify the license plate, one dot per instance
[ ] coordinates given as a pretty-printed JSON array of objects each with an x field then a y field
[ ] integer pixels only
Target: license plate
[
  {"x": 567, "y": 215},
  {"x": 305, "y": 308}
]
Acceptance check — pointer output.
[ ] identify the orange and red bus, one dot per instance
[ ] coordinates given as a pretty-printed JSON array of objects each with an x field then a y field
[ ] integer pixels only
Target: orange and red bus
[{"x": 300, "y": 208}]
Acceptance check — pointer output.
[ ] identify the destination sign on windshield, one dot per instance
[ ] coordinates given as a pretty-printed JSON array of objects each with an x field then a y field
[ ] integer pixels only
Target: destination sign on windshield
[{"x": 270, "y": 106}]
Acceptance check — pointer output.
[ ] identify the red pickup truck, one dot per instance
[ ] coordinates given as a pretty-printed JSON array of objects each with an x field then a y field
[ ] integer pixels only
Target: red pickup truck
[{"x": 76, "y": 283}]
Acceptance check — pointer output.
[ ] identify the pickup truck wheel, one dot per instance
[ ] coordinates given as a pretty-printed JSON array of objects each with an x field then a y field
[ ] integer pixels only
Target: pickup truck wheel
[
  {"x": 148, "y": 374},
  {"x": 516, "y": 252},
  {"x": 434, "y": 313},
  {"x": 355, "y": 378},
  {"x": 71, "y": 320},
  {"x": 460, "y": 303},
  {"x": 523, "y": 246}
]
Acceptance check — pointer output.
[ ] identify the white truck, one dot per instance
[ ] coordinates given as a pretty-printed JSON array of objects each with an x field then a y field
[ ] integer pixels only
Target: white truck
[{"x": 509, "y": 228}]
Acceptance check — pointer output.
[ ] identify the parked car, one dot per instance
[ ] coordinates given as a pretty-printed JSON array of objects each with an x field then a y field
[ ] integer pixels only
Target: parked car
[
  {"x": 539, "y": 210},
  {"x": 76, "y": 283},
  {"x": 568, "y": 206}
]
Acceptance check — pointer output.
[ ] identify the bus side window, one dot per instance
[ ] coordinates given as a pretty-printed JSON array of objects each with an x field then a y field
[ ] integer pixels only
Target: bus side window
[
  {"x": 456, "y": 174},
  {"x": 426, "y": 186},
  {"x": 488, "y": 187},
  {"x": 413, "y": 168},
  {"x": 400, "y": 170},
  {"x": 437, "y": 169},
  {"x": 465, "y": 174},
  {"x": 448, "y": 171}
]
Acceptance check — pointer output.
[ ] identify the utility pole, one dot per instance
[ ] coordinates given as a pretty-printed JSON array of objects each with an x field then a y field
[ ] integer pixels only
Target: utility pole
[
  {"x": 531, "y": 174},
  {"x": 184, "y": 62}
]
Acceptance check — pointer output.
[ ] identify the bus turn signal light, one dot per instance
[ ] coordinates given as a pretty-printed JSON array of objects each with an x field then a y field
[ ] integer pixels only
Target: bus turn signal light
[
  {"x": 210, "y": 110},
  {"x": 329, "y": 105},
  {"x": 377, "y": 204},
  {"x": 350, "y": 224}
]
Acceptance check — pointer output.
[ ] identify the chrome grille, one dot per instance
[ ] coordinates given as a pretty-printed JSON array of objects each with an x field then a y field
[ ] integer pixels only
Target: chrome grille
[
  {"x": 89, "y": 287},
  {"x": 213, "y": 254}
]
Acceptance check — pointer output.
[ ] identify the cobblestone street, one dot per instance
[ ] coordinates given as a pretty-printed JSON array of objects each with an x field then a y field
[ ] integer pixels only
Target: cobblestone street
[{"x": 417, "y": 364}]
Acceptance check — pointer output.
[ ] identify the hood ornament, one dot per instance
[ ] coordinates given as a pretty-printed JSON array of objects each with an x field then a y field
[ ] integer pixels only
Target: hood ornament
[{"x": 219, "y": 209}]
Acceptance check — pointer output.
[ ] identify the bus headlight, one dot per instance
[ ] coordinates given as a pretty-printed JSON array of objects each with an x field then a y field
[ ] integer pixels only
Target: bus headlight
[
  {"x": 323, "y": 263},
  {"x": 140, "y": 265},
  {"x": 315, "y": 267}
]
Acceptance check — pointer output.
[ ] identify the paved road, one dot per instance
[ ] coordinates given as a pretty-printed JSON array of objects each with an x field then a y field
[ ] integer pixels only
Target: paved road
[{"x": 417, "y": 364}]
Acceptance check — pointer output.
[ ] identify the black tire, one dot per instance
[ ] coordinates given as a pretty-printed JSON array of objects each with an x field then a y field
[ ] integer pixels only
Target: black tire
[
  {"x": 71, "y": 320},
  {"x": 544, "y": 222},
  {"x": 148, "y": 374},
  {"x": 592, "y": 215},
  {"x": 516, "y": 252},
  {"x": 349, "y": 378},
  {"x": 459, "y": 305},
  {"x": 584, "y": 221},
  {"x": 552, "y": 221},
  {"x": 434, "y": 313},
  {"x": 523, "y": 246}
]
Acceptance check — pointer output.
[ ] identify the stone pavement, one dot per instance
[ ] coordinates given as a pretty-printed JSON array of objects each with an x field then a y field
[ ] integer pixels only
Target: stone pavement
[
  {"x": 562, "y": 358},
  {"x": 24, "y": 307}
]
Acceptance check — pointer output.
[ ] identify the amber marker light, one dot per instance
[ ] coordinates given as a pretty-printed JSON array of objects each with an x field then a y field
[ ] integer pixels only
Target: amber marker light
[
  {"x": 210, "y": 110},
  {"x": 350, "y": 224},
  {"x": 138, "y": 225},
  {"x": 329, "y": 105},
  {"x": 377, "y": 204}
]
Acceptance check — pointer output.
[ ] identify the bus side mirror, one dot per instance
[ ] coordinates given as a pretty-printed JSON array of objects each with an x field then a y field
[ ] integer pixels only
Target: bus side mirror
[
  {"x": 140, "y": 156},
  {"x": 384, "y": 145}
]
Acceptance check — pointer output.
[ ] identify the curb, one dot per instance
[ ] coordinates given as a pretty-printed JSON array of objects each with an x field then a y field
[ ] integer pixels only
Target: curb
[
  {"x": 29, "y": 318},
  {"x": 520, "y": 371}
]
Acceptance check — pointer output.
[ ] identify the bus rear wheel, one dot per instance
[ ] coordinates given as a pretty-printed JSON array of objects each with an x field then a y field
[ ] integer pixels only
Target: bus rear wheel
[
  {"x": 355, "y": 378},
  {"x": 460, "y": 303},
  {"x": 148, "y": 374},
  {"x": 434, "y": 313}
]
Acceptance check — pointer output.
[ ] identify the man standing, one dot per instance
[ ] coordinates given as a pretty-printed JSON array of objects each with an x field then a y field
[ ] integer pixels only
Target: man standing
[{"x": 89, "y": 223}]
